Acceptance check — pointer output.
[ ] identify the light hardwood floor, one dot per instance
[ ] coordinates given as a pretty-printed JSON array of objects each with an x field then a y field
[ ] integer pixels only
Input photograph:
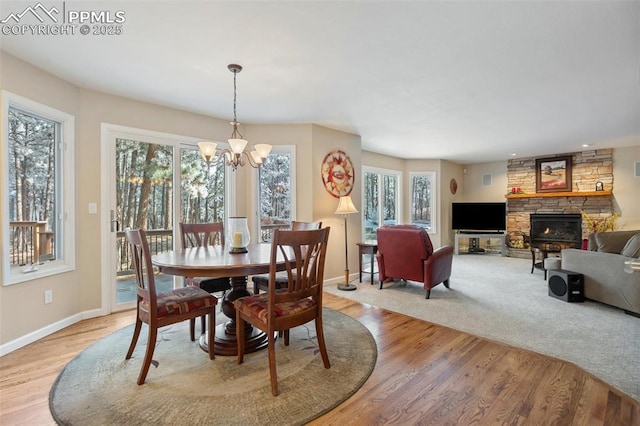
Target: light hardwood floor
[{"x": 425, "y": 374}]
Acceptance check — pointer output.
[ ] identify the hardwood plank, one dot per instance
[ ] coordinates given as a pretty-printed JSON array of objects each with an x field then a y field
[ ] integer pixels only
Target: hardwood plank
[{"x": 425, "y": 374}]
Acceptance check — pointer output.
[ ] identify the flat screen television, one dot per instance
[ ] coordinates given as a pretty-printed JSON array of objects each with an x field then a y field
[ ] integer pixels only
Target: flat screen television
[{"x": 485, "y": 217}]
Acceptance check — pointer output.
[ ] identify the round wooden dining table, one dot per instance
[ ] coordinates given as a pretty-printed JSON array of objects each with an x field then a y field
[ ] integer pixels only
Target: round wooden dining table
[{"x": 217, "y": 262}]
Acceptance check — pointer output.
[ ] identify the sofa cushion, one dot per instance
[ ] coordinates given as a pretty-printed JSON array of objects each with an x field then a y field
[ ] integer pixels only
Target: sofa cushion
[
  {"x": 612, "y": 242},
  {"x": 632, "y": 248}
]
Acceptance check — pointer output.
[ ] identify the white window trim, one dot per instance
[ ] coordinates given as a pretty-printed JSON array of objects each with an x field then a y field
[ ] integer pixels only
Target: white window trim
[
  {"x": 276, "y": 149},
  {"x": 433, "y": 230},
  {"x": 381, "y": 171},
  {"x": 67, "y": 261}
]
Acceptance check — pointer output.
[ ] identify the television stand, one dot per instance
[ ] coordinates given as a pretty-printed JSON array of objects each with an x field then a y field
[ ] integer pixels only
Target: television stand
[
  {"x": 476, "y": 250},
  {"x": 483, "y": 233},
  {"x": 474, "y": 245}
]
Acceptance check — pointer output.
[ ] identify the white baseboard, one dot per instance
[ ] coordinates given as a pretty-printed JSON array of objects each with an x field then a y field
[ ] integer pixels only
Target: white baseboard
[
  {"x": 340, "y": 280},
  {"x": 47, "y": 330}
]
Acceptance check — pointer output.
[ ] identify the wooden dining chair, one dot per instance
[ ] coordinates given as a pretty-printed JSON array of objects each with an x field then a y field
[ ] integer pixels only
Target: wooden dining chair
[
  {"x": 274, "y": 310},
  {"x": 162, "y": 309},
  {"x": 260, "y": 282},
  {"x": 203, "y": 235}
]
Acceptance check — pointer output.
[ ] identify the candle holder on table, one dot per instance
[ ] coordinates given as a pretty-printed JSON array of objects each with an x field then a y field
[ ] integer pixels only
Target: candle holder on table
[{"x": 238, "y": 235}]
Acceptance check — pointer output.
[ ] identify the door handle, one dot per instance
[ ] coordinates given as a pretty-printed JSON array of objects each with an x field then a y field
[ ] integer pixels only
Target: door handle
[{"x": 115, "y": 225}]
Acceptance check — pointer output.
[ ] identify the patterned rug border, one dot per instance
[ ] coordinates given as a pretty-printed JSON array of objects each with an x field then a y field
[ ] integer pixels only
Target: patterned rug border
[{"x": 340, "y": 346}]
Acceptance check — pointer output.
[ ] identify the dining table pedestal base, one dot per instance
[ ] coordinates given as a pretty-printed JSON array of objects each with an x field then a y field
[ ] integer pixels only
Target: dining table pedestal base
[
  {"x": 225, "y": 341},
  {"x": 215, "y": 261}
]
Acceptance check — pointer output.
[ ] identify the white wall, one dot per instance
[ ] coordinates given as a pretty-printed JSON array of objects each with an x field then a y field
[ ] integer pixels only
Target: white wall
[
  {"x": 626, "y": 187},
  {"x": 474, "y": 188},
  {"x": 326, "y": 140}
]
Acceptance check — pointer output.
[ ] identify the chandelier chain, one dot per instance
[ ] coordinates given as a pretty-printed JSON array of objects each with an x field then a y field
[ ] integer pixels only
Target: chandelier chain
[{"x": 236, "y": 133}]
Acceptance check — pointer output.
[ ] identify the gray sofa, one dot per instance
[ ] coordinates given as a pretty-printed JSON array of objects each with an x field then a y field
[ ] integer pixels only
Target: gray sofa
[{"x": 602, "y": 265}]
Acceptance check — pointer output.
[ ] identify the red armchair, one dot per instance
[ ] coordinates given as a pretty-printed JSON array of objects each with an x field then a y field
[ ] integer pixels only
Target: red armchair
[{"x": 406, "y": 252}]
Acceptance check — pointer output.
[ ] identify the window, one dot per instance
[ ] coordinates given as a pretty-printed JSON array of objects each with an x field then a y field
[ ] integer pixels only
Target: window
[
  {"x": 203, "y": 188},
  {"x": 155, "y": 180},
  {"x": 423, "y": 207},
  {"x": 37, "y": 190},
  {"x": 276, "y": 186},
  {"x": 381, "y": 199}
]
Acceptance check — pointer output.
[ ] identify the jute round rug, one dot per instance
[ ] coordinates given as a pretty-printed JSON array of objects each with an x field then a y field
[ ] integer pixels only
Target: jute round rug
[{"x": 98, "y": 387}]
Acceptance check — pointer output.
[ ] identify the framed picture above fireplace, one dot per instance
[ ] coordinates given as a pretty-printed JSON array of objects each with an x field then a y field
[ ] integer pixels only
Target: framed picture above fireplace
[{"x": 553, "y": 174}]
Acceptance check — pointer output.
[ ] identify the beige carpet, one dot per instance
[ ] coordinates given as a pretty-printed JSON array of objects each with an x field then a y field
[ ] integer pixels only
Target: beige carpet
[
  {"x": 498, "y": 298},
  {"x": 98, "y": 387}
]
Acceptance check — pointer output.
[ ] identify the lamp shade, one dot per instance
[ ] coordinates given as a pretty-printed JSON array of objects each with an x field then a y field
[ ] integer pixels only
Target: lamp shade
[
  {"x": 263, "y": 149},
  {"x": 345, "y": 206},
  {"x": 207, "y": 150},
  {"x": 237, "y": 145},
  {"x": 255, "y": 155}
]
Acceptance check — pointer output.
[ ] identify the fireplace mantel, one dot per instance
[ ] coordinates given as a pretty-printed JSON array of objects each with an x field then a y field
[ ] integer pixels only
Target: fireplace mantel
[{"x": 560, "y": 194}]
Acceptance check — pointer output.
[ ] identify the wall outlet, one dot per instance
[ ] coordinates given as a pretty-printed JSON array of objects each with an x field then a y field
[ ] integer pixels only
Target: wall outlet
[{"x": 48, "y": 296}]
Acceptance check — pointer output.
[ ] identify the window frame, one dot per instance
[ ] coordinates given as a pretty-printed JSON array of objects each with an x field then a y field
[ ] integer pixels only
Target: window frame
[
  {"x": 381, "y": 172},
  {"x": 433, "y": 227},
  {"x": 276, "y": 149},
  {"x": 65, "y": 190},
  {"x": 228, "y": 182}
]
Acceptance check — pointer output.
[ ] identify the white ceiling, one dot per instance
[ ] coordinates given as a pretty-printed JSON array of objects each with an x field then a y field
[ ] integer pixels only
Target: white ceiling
[{"x": 465, "y": 81}]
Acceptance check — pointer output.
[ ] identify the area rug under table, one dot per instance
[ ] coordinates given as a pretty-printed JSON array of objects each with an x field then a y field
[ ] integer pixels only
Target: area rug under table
[{"x": 98, "y": 387}]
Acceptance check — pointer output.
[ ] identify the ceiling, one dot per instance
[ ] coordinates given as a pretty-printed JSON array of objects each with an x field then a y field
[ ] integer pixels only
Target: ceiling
[{"x": 469, "y": 82}]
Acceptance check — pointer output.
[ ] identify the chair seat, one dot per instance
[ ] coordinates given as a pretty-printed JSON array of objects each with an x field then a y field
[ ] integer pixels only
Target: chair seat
[
  {"x": 256, "y": 306},
  {"x": 180, "y": 301}
]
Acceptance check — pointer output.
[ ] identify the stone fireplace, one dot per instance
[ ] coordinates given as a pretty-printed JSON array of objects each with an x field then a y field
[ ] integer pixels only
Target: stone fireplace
[
  {"x": 589, "y": 167},
  {"x": 555, "y": 231}
]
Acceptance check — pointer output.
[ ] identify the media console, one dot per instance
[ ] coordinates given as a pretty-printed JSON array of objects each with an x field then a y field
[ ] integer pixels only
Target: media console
[{"x": 474, "y": 246}]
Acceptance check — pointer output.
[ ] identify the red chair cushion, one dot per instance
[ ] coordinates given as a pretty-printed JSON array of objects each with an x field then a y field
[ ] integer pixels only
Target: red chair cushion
[
  {"x": 180, "y": 301},
  {"x": 256, "y": 306}
]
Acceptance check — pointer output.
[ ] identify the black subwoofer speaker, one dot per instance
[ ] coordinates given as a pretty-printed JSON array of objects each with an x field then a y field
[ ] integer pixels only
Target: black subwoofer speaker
[{"x": 566, "y": 285}]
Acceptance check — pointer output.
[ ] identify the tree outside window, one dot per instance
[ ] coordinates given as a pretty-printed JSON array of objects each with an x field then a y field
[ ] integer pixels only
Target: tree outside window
[
  {"x": 275, "y": 191},
  {"x": 423, "y": 206},
  {"x": 32, "y": 196},
  {"x": 381, "y": 199},
  {"x": 37, "y": 190},
  {"x": 203, "y": 189}
]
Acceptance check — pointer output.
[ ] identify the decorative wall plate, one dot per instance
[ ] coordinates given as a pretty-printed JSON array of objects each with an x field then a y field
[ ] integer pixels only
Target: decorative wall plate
[
  {"x": 453, "y": 186},
  {"x": 338, "y": 174}
]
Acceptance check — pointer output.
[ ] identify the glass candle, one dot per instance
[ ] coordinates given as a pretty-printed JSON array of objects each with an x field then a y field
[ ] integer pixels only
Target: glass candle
[{"x": 238, "y": 234}]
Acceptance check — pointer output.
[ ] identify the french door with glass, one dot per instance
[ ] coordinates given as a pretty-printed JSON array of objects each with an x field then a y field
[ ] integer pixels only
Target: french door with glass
[{"x": 156, "y": 181}]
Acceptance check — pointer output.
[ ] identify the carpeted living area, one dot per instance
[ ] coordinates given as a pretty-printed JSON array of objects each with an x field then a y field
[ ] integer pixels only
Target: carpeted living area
[
  {"x": 497, "y": 298},
  {"x": 99, "y": 387}
]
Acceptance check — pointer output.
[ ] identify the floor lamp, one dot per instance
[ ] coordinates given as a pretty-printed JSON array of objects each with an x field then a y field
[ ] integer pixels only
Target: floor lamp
[{"x": 345, "y": 208}]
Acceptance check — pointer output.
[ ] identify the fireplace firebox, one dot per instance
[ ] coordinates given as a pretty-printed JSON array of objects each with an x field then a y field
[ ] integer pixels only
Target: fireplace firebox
[{"x": 555, "y": 231}]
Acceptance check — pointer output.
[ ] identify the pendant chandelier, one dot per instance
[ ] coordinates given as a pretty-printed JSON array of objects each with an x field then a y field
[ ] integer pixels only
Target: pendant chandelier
[{"x": 235, "y": 156}]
